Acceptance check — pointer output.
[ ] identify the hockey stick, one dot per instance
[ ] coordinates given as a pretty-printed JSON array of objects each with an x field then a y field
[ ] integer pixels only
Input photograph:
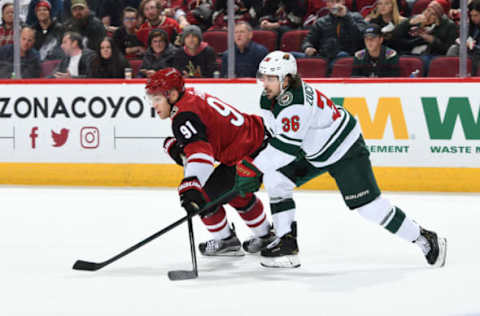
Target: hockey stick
[
  {"x": 94, "y": 266},
  {"x": 176, "y": 275}
]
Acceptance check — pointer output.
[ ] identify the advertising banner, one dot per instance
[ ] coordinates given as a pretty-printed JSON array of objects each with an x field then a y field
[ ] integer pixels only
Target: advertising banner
[{"x": 405, "y": 124}]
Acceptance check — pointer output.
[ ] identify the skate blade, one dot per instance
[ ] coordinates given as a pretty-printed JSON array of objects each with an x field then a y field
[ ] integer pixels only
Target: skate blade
[
  {"x": 232, "y": 253},
  {"x": 291, "y": 261},
  {"x": 442, "y": 253}
]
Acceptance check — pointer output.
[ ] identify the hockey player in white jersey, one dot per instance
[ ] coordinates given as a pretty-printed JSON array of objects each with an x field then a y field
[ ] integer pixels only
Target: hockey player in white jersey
[{"x": 311, "y": 136}]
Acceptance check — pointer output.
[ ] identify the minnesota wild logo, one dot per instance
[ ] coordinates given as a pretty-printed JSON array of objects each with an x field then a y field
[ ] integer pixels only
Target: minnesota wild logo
[{"x": 285, "y": 99}]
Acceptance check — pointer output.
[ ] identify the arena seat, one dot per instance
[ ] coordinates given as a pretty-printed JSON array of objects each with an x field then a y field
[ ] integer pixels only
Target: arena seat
[
  {"x": 135, "y": 65},
  {"x": 266, "y": 38},
  {"x": 48, "y": 66},
  {"x": 312, "y": 67},
  {"x": 444, "y": 66},
  {"x": 292, "y": 40},
  {"x": 410, "y": 64},
  {"x": 419, "y": 5},
  {"x": 342, "y": 67},
  {"x": 217, "y": 39}
]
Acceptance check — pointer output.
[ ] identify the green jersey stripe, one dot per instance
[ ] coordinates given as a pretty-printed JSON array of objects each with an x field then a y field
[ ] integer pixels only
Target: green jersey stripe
[
  {"x": 282, "y": 146},
  {"x": 333, "y": 136},
  {"x": 331, "y": 149},
  {"x": 285, "y": 205},
  {"x": 289, "y": 140},
  {"x": 396, "y": 221}
]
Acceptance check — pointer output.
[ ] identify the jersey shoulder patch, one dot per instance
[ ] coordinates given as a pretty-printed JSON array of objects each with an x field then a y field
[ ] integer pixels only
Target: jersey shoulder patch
[
  {"x": 390, "y": 53},
  {"x": 293, "y": 96},
  {"x": 361, "y": 54},
  {"x": 285, "y": 99}
]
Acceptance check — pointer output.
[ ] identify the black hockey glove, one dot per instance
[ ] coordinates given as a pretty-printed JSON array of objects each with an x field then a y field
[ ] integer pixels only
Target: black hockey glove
[
  {"x": 173, "y": 149},
  {"x": 248, "y": 177},
  {"x": 192, "y": 196}
]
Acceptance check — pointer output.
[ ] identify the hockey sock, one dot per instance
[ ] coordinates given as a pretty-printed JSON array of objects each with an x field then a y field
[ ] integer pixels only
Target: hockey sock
[
  {"x": 217, "y": 224},
  {"x": 255, "y": 218},
  {"x": 283, "y": 214},
  {"x": 390, "y": 217}
]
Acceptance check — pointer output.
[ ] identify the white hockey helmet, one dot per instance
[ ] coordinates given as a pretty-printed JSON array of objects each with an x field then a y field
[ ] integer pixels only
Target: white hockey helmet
[{"x": 278, "y": 63}]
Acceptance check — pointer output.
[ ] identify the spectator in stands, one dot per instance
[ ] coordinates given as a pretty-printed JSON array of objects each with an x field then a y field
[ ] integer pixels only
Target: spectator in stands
[
  {"x": 110, "y": 12},
  {"x": 93, "y": 6},
  {"x": 151, "y": 11},
  {"x": 77, "y": 60},
  {"x": 376, "y": 60},
  {"x": 159, "y": 54},
  {"x": 426, "y": 34},
  {"x": 177, "y": 9},
  {"x": 473, "y": 40},
  {"x": 126, "y": 38},
  {"x": 282, "y": 16},
  {"x": 248, "y": 54},
  {"x": 6, "y": 29},
  {"x": 29, "y": 58},
  {"x": 49, "y": 33},
  {"x": 219, "y": 18},
  {"x": 196, "y": 59},
  {"x": 338, "y": 34},
  {"x": 387, "y": 16},
  {"x": 86, "y": 24},
  {"x": 56, "y": 10},
  {"x": 109, "y": 62}
]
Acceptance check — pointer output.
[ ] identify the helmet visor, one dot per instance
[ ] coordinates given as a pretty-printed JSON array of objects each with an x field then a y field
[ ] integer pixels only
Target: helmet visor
[
  {"x": 263, "y": 78},
  {"x": 154, "y": 98}
]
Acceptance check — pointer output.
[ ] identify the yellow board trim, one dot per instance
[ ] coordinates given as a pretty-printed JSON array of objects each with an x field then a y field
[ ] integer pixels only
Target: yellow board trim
[{"x": 169, "y": 175}]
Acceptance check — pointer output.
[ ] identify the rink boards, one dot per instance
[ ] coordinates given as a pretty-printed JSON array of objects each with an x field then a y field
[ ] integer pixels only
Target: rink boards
[{"x": 423, "y": 134}]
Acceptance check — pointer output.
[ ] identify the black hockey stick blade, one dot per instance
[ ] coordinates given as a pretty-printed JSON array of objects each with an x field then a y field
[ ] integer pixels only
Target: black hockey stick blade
[
  {"x": 178, "y": 275},
  {"x": 87, "y": 265}
]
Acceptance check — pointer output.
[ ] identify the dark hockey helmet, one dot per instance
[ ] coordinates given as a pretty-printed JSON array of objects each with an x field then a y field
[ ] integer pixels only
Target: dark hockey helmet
[{"x": 165, "y": 80}]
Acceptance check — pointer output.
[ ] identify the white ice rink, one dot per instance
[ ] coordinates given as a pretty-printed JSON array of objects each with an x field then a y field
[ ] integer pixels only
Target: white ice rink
[{"x": 349, "y": 266}]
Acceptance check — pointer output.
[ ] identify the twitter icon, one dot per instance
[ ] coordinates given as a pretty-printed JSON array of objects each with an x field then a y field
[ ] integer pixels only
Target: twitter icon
[{"x": 59, "y": 139}]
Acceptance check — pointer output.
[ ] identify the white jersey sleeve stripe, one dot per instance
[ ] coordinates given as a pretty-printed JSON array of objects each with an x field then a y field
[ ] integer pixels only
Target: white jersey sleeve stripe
[
  {"x": 200, "y": 170},
  {"x": 201, "y": 156}
]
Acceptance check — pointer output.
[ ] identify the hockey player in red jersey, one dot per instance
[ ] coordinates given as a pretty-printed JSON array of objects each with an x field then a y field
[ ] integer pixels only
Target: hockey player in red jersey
[{"x": 206, "y": 130}]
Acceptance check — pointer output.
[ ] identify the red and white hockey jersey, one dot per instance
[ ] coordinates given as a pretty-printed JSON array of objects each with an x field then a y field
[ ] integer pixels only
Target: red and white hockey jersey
[{"x": 211, "y": 130}]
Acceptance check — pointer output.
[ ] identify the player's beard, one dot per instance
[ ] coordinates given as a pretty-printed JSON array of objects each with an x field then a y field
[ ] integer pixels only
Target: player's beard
[{"x": 269, "y": 94}]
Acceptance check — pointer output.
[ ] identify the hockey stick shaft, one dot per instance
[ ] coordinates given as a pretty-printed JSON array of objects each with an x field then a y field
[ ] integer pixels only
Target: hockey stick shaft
[
  {"x": 193, "y": 252},
  {"x": 177, "y": 275},
  {"x": 93, "y": 266}
]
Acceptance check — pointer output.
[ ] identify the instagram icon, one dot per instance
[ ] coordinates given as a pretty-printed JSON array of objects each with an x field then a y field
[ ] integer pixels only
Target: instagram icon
[{"x": 89, "y": 137}]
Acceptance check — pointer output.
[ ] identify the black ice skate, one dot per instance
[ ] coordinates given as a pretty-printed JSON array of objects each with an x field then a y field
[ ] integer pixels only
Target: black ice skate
[
  {"x": 434, "y": 248},
  {"x": 282, "y": 252},
  {"x": 229, "y": 246},
  {"x": 256, "y": 244}
]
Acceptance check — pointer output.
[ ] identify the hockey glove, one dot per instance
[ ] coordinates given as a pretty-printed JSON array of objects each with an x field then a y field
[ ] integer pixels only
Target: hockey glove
[
  {"x": 248, "y": 177},
  {"x": 192, "y": 196},
  {"x": 173, "y": 149}
]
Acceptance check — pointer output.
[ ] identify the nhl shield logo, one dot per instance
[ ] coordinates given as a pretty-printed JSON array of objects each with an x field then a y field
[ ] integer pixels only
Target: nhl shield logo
[{"x": 285, "y": 99}]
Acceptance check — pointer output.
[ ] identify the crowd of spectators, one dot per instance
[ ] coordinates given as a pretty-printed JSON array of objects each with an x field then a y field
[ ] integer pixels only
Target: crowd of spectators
[{"x": 107, "y": 38}]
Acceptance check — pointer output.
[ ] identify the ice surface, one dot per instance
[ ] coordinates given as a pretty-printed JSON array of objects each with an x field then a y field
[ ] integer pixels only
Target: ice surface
[{"x": 349, "y": 266}]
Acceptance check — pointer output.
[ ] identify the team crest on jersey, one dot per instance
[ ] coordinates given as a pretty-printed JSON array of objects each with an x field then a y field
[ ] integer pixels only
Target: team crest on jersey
[{"x": 285, "y": 99}]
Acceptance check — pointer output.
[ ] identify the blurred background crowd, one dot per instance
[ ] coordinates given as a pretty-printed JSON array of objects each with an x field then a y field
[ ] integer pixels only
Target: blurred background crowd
[{"x": 330, "y": 38}]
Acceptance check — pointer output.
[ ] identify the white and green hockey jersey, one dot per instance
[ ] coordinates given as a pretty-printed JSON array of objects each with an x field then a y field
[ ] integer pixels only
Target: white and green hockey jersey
[{"x": 303, "y": 121}]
